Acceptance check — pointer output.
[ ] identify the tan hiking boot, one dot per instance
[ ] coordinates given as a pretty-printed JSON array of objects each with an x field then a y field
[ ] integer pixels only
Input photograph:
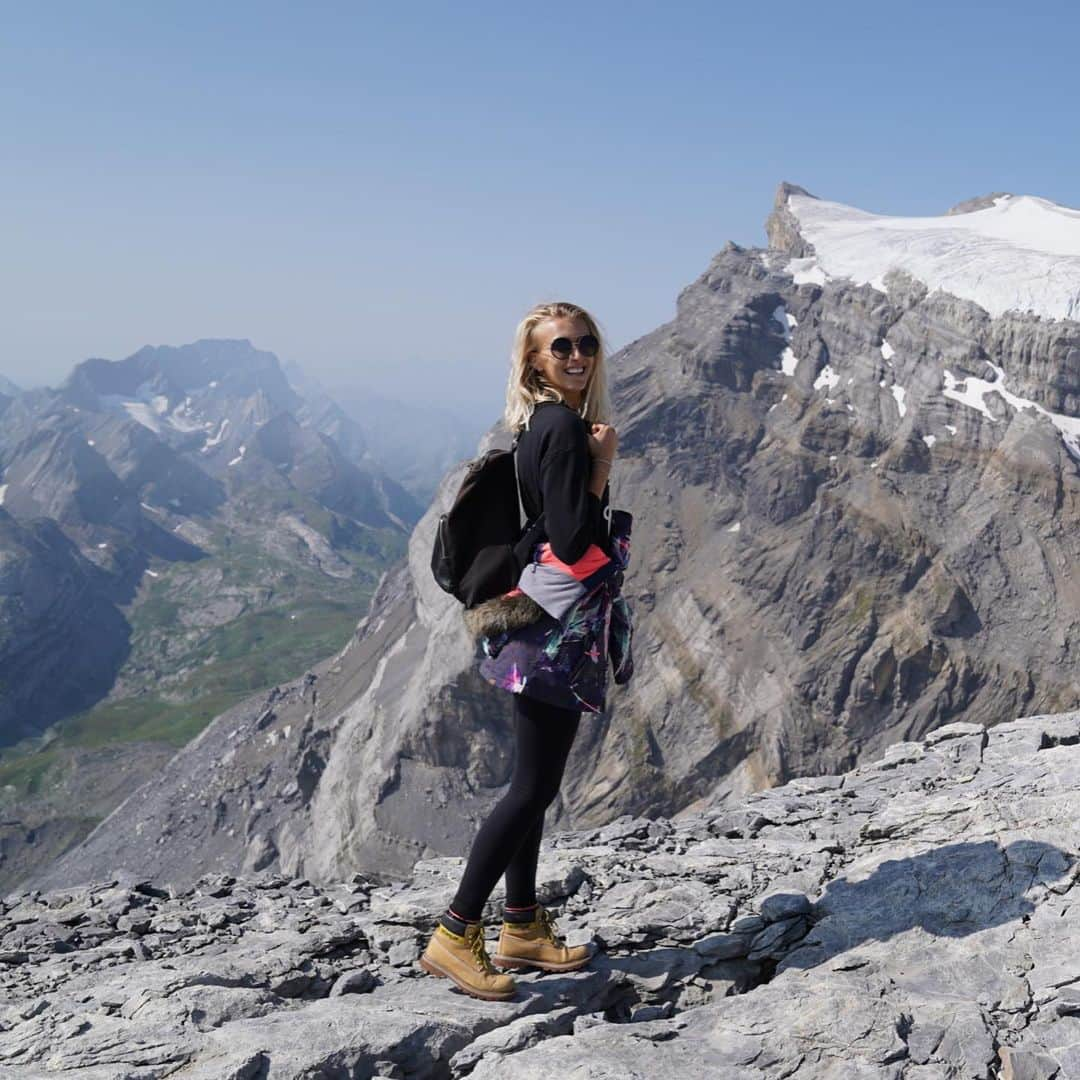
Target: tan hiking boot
[
  {"x": 464, "y": 960},
  {"x": 536, "y": 944}
]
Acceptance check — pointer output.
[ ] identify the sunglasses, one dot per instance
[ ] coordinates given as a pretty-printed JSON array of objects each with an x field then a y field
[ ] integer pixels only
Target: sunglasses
[{"x": 562, "y": 347}]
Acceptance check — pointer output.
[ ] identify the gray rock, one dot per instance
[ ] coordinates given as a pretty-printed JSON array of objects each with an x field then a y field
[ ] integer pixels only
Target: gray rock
[{"x": 942, "y": 943}]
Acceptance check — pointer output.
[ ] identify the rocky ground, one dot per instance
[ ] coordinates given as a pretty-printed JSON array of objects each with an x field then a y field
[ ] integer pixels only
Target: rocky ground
[{"x": 913, "y": 918}]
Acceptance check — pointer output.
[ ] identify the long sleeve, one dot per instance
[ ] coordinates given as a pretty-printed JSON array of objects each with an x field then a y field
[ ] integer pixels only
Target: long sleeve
[{"x": 573, "y": 515}]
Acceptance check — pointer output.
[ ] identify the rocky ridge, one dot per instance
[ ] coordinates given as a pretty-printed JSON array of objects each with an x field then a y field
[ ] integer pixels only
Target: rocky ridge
[{"x": 914, "y": 918}]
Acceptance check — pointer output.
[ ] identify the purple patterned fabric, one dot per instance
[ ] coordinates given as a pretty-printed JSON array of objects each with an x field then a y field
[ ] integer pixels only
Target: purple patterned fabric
[{"x": 564, "y": 661}]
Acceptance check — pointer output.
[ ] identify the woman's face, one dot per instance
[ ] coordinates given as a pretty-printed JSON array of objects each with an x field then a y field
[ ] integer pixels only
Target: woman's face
[{"x": 570, "y": 376}]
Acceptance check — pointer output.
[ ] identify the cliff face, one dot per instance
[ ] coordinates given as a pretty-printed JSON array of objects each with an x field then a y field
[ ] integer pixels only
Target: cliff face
[
  {"x": 910, "y": 919},
  {"x": 854, "y": 511},
  {"x": 61, "y": 639}
]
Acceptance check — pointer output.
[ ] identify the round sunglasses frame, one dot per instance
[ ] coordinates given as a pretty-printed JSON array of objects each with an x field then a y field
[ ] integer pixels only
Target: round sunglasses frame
[{"x": 566, "y": 347}]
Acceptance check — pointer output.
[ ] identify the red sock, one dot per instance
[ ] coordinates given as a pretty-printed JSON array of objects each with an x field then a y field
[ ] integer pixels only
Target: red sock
[{"x": 459, "y": 918}]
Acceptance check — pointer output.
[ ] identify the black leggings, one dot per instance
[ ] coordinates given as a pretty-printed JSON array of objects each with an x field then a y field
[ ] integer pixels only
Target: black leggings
[{"x": 509, "y": 840}]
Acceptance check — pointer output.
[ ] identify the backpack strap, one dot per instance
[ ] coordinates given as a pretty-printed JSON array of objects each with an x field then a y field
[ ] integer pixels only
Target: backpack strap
[{"x": 522, "y": 516}]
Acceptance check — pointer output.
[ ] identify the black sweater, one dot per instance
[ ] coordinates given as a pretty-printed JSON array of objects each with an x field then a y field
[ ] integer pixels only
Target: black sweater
[{"x": 554, "y": 467}]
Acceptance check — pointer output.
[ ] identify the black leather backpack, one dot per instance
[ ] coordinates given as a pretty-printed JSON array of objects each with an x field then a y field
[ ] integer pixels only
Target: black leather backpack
[{"x": 481, "y": 545}]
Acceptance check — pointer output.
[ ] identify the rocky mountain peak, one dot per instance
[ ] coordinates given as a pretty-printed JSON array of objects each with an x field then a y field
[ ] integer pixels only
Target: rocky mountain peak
[
  {"x": 979, "y": 202},
  {"x": 211, "y": 392},
  {"x": 1006, "y": 253},
  {"x": 782, "y": 227}
]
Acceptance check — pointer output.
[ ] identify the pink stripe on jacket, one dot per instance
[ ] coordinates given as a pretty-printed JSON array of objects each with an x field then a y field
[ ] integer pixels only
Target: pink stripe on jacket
[{"x": 589, "y": 563}]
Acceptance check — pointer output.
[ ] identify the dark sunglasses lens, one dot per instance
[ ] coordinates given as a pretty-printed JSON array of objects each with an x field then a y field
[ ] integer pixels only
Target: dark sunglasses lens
[
  {"x": 561, "y": 348},
  {"x": 588, "y": 345}
]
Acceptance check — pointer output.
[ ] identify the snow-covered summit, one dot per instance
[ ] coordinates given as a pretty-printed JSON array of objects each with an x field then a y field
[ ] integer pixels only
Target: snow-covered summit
[{"x": 1017, "y": 253}]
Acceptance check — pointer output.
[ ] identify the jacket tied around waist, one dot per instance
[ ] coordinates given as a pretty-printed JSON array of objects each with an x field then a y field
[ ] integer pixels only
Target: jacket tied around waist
[{"x": 574, "y": 621}]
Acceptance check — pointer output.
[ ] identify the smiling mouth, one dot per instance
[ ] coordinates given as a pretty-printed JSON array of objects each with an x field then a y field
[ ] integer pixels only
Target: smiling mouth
[{"x": 574, "y": 371}]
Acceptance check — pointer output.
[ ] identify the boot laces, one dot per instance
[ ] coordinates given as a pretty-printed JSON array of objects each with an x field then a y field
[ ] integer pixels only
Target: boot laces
[
  {"x": 480, "y": 952},
  {"x": 547, "y": 925}
]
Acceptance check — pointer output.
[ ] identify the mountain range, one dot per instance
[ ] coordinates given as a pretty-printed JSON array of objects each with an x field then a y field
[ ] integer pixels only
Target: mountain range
[
  {"x": 854, "y": 494},
  {"x": 177, "y": 529}
]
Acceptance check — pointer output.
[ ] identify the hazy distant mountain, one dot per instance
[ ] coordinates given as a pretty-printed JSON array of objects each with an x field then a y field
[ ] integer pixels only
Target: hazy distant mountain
[
  {"x": 174, "y": 532},
  {"x": 172, "y": 455},
  {"x": 415, "y": 443},
  {"x": 8, "y": 388}
]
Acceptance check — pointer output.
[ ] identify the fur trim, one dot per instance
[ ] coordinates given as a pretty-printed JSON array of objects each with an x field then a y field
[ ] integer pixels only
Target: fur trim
[{"x": 501, "y": 613}]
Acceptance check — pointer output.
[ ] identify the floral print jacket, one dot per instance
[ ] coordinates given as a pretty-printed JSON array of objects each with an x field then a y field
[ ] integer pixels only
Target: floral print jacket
[{"x": 564, "y": 660}]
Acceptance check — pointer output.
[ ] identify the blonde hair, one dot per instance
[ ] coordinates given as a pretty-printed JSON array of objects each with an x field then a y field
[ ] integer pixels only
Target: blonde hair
[{"x": 524, "y": 388}]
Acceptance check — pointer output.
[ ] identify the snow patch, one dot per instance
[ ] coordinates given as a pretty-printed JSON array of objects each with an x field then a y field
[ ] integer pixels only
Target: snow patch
[
  {"x": 3, "y": 492},
  {"x": 1020, "y": 254},
  {"x": 788, "y": 361},
  {"x": 975, "y": 390},
  {"x": 929, "y": 439},
  {"x": 887, "y": 350},
  {"x": 139, "y": 411},
  {"x": 736, "y": 527},
  {"x": 180, "y": 417},
  {"x": 806, "y": 271},
  {"x": 828, "y": 377},
  {"x": 239, "y": 457},
  {"x": 215, "y": 439},
  {"x": 152, "y": 573},
  {"x": 898, "y": 392},
  {"x": 971, "y": 395}
]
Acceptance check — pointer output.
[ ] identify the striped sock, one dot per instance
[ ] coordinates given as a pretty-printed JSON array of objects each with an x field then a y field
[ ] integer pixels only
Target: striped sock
[
  {"x": 454, "y": 922},
  {"x": 519, "y": 914}
]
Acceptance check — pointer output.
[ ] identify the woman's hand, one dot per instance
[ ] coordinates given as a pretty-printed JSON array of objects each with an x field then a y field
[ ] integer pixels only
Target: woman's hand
[{"x": 603, "y": 441}]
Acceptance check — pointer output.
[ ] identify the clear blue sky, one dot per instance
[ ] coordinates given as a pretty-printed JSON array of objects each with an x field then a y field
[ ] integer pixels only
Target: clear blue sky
[{"x": 379, "y": 191}]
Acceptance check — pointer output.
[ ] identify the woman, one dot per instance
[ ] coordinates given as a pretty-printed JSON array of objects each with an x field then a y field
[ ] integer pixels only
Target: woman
[{"x": 557, "y": 404}]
